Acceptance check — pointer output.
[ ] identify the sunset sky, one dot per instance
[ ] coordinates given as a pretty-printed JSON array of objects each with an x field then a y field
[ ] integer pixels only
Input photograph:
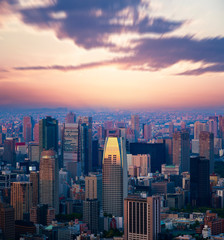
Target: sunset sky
[{"x": 111, "y": 53}]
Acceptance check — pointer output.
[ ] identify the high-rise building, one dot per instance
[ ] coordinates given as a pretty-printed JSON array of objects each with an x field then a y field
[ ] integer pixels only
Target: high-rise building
[
  {"x": 91, "y": 211},
  {"x": 142, "y": 218},
  {"x": 143, "y": 161},
  {"x": 7, "y": 221},
  {"x": 181, "y": 150},
  {"x": 147, "y": 132},
  {"x": 114, "y": 176},
  {"x": 93, "y": 187},
  {"x": 9, "y": 154},
  {"x": 28, "y": 129},
  {"x": 199, "y": 127},
  {"x": 34, "y": 179},
  {"x": 199, "y": 182},
  {"x": 36, "y": 133},
  {"x": 48, "y": 134},
  {"x": 70, "y": 143},
  {"x": 21, "y": 198},
  {"x": 221, "y": 129},
  {"x": 33, "y": 152},
  {"x": 49, "y": 185},
  {"x": 213, "y": 125},
  {"x": 171, "y": 129},
  {"x": 85, "y": 138},
  {"x": 70, "y": 118},
  {"x": 135, "y": 125},
  {"x": 206, "y": 148}
]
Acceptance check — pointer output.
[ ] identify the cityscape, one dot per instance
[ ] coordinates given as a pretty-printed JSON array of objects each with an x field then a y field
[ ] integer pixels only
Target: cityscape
[{"x": 111, "y": 120}]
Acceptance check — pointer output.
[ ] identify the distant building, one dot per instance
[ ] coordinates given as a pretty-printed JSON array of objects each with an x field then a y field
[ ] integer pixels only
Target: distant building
[
  {"x": 34, "y": 179},
  {"x": 170, "y": 169},
  {"x": 28, "y": 129},
  {"x": 142, "y": 218},
  {"x": 147, "y": 132},
  {"x": 36, "y": 133},
  {"x": 33, "y": 152},
  {"x": 181, "y": 150},
  {"x": 206, "y": 148},
  {"x": 70, "y": 118},
  {"x": 199, "y": 127},
  {"x": 9, "y": 154},
  {"x": 135, "y": 125},
  {"x": 21, "y": 198},
  {"x": 49, "y": 185},
  {"x": 115, "y": 183},
  {"x": 48, "y": 134}
]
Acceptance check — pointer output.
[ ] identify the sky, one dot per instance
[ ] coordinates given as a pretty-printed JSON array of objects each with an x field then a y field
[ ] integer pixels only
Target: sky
[{"x": 111, "y": 53}]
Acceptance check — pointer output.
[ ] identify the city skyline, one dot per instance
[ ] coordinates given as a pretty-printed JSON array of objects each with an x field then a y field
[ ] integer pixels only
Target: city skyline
[{"x": 149, "y": 54}]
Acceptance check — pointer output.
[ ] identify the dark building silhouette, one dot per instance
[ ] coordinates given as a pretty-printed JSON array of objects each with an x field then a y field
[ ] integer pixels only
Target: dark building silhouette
[
  {"x": 48, "y": 134},
  {"x": 9, "y": 154},
  {"x": 91, "y": 211},
  {"x": 199, "y": 182},
  {"x": 7, "y": 221},
  {"x": 156, "y": 151}
]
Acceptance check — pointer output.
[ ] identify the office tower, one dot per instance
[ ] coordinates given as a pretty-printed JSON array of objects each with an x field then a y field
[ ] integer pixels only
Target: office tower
[
  {"x": 199, "y": 127},
  {"x": 70, "y": 118},
  {"x": 28, "y": 129},
  {"x": 147, "y": 132},
  {"x": 70, "y": 143},
  {"x": 168, "y": 149},
  {"x": 199, "y": 182},
  {"x": 91, "y": 211},
  {"x": 33, "y": 152},
  {"x": 171, "y": 129},
  {"x": 155, "y": 150},
  {"x": 34, "y": 179},
  {"x": 9, "y": 153},
  {"x": 135, "y": 125},
  {"x": 206, "y": 148},
  {"x": 114, "y": 176},
  {"x": 49, "y": 179},
  {"x": 85, "y": 138},
  {"x": 220, "y": 125},
  {"x": 63, "y": 183},
  {"x": 213, "y": 125},
  {"x": 21, "y": 198},
  {"x": 143, "y": 161},
  {"x": 95, "y": 154},
  {"x": 93, "y": 187},
  {"x": 7, "y": 221},
  {"x": 181, "y": 150},
  {"x": 2, "y": 138},
  {"x": 101, "y": 132},
  {"x": 195, "y": 146},
  {"x": 48, "y": 134},
  {"x": 142, "y": 218},
  {"x": 36, "y": 133}
]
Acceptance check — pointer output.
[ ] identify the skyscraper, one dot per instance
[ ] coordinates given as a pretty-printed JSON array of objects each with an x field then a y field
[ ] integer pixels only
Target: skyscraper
[
  {"x": 91, "y": 211},
  {"x": 48, "y": 134},
  {"x": 85, "y": 138},
  {"x": 70, "y": 118},
  {"x": 181, "y": 150},
  {"x": 36, "y": 133},
  {"x": 171, "y": 129},
  {"x": 34, "y": 179},
  {"x": 93, "y": 187},
  {"x": 9, "y": 154},
  {"x": 213, "y": 125},
  {"x": 114, "y": 176},
  {"x": 147, "y": 132},
  {"x": 70, "y": 144},
  {"x": 135, "y": 125},
  {"x": 206, "y": 148},
  {"x": 7, "y": 221},
  {"x": 49, "y": 185},
  {"x": 199, "y": 182},
  {"x": 28, "y": 129},
  {"x": 21, "y": 198},
  {"x": 141, "y": 218},
  {"x": 199, "y": 127}
]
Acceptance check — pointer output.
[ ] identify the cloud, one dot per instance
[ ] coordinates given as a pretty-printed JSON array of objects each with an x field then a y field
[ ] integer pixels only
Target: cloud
[{"x": 152, "y": 54}]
